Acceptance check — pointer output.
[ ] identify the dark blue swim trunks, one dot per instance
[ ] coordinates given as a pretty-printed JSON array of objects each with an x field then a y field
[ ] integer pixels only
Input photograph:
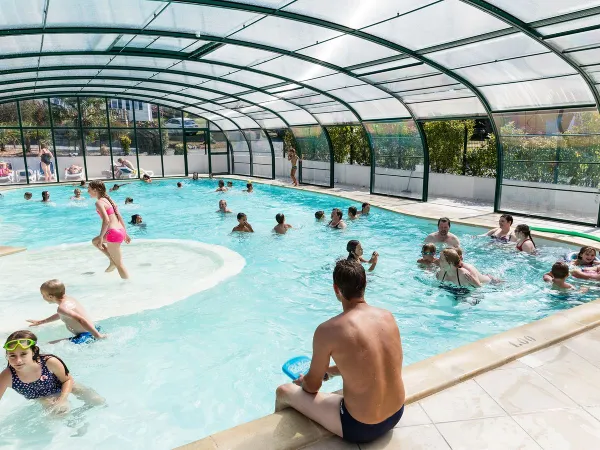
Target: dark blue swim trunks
[{"x": 361, "y": 433}]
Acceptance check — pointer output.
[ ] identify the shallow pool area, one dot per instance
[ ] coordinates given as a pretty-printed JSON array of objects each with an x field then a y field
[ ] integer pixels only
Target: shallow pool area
[{"x": 182, "y": 362}]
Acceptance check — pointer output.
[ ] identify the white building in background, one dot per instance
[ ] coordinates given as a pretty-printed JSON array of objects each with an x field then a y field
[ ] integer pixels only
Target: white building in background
[{"x": 143, "y": 110}]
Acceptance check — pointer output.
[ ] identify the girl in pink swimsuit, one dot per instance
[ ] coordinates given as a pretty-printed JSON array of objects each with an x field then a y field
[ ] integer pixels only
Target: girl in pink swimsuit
[{"x": 112, "y": 233}]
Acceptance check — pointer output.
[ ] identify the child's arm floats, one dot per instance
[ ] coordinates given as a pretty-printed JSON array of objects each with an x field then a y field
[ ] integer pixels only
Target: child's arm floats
[{"x": 52, "y": 318}]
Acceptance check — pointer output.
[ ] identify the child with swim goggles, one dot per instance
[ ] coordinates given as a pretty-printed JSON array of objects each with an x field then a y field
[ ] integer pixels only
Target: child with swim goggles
[
  {"x": 40, "y": 377},
  {"x": 428, "y": 255}
]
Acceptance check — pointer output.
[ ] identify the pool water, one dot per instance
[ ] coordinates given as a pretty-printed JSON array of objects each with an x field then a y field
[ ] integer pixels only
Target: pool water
[{"x": 180, "y": 364}]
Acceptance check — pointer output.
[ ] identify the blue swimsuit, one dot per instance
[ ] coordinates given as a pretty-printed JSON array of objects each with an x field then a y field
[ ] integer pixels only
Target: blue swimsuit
[{"x": 48, "y": 384}]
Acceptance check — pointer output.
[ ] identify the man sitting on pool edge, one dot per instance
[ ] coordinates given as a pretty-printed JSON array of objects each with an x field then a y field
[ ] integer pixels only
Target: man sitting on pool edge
[
  {"x": 443, "y": 235},
  {"x": 365, "y": 344}
]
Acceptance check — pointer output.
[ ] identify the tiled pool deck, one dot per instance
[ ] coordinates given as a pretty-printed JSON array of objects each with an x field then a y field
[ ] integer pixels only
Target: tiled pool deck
[{"x": 533, "y": 387}]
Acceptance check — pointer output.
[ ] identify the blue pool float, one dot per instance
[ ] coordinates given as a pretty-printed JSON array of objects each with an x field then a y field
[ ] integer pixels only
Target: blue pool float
[{"x": 296, "y": 366}]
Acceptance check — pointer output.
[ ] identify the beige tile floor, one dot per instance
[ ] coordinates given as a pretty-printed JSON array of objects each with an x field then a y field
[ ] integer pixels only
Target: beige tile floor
[{"x": 548, "y": 400}]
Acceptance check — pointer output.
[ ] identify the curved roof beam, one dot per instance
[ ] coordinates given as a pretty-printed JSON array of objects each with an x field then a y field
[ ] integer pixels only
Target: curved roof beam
[
  {"x": 101, "y": 95},
  {"x": 101, "y": 86},
  {"x": 177, "y": 72},
  {"x": 534, "y": 34}
]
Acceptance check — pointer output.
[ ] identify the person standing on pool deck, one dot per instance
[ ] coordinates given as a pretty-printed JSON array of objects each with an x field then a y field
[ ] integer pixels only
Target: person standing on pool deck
[
  {"x": 41, "y": 377},
  {"x": 503, "y": 233},
  {"x": 293, "y": 158},
  {"x": 70, "y": 312},
  {"x": 443, "y": 235},
  {"x": 281, "y": 227},
  {"x": 336, "y": 219},
  {"x": 365, "y": 345},
  {"x": 243, "y": 225},
  {"x": 355, "y": 253},
  {"x": 113, "y": 232}
]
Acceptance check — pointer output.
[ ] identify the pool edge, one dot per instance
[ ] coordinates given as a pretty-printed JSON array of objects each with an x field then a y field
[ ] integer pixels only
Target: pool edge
[
  {"x": 6, "y": 250},
  {"x": 288, "y": 429}
]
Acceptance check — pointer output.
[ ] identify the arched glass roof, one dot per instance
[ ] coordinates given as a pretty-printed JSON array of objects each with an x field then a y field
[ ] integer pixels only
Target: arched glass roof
[{"x": 284, "y": 63}]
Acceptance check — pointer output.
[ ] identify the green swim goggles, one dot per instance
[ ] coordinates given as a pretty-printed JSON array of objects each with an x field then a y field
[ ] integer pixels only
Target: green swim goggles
[{"x": 23, "y": 343}]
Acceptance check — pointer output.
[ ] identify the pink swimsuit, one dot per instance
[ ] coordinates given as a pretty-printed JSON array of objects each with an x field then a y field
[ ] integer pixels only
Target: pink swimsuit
[{"x": 113, "y": 235}]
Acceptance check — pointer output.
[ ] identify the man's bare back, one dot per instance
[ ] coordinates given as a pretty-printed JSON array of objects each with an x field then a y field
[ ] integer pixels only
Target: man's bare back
[{"x": 365, "y": 345}]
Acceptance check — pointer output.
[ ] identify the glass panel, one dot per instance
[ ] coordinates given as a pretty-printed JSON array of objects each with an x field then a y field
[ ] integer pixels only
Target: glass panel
[
  {"x": 13, "y": 155},
  {"x": 587, "y": 56},
  {"x": 356, "y": 13},
  {"x": 124, "y": 148},
  {"x": 576, "y": 24},
  {"x": 294, "y": 68},
  {"x": 115, "y": 13},
  {"x": 313, "y": 149},
  {"x": 576, "y": 40},
  {"x": 348, "y": 50},
  {"x": 173, "y": 159},
  {"x": 93, "y": 111},
  {"x": 421, "y": 83},
  {"x": 121, "y": 113},
  {"x": 142, "y": 61},
  {"x": 381, "y": 109},
  {"x": 240, "y": 157},
  {"x": 22, "y": 13},
  {"x": 360, "y": 93},
  {"x": 335, "y": 117},
  {"x": 10, "y": 45},
  {"x": 251, "y": 78},
  {"x": 284, "y": 33},
  {"x": 200, "y": 68},
  {"x": 443, "y": 22},
  {"x": 397, "y": 64},
  {"x": 149, "y": 148},
  {"x": 9, "y": 116},
  {"x": 64, "y": 111},
  {"x": 556, "y": 91},
  {"x": 71, "y": 42},
  {"x": 338, "y": 80},
  {"x": 490, "y": 50},
  {"x": 74, "y": 60},
  {"x": 441, "y": 95},
  {"x": 539, "y": 66},
  {"x": 299, "y": 117},
  {"x": 195, "y": 137},
  {"x": 532, "y": 10},
  {"x": 35, "y": 141},
  {"x": 400, "y": 74},
  {"x": 241, "y": 56},
  {"x": 69, "y": 153},
  {"x": 550, "y": 164},
  {"x": 218, "y": 148},
  {"x": 261, "y": 153},
  {"x": 176, "y": 44},
  {"x": 446, "y": 108},
  {"x": 97, "y": 156},
  {"x": 399, "y": 158}
]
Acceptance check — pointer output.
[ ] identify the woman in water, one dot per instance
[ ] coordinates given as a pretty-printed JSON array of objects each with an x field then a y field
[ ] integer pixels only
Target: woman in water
[
  {"x": 336, "y": 219},
  {"x": 524, "y": 241},
  {"x": 293, "y": 158},
  {"x": 503, "y": 233},
  {"x": 452, "y": 270},
  {"x": 355, "y": 253},
  {"x": 113, "y": 233},
  {"x": 46, "y": 159},
  {"x": 40, "y": 377},
  {"x": 136, "y": 219},
  {"x": 45, "y": 197}
]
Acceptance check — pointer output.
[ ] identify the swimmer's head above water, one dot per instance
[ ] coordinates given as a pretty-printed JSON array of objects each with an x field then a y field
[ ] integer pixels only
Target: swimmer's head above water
[
  {"x": 280, "y": 218},
  {"x": 27, "y": 196},
  {"x": 352, "y": 212},
  {"x": 128, "y": 200},
  {"x": 586, "y": 255},
  {"x": 560, "y": 270},
  {"x": 366, "y": 209},
  {"x": 354, "y": 248},
  {"x": 22, "y": 352},
  {"x": 449, "y": 258},
  {"x": 136, "y": 219},
  {"x": 349, "y": 280},
  {"x": 505, "y": 221},
  {"x": 336, "y": 213},
  {"x": 320, "y": 215},
  {"x": 221, "y": 183},
  {"x": 428, "y": 252},
  {"x": 179, "y": 184},
  {"x": 77, "y": 193},
  {"x": 45, "y": 196},
  {"x": 444, "y": 226},
  {"x": 53, "y": 290}
]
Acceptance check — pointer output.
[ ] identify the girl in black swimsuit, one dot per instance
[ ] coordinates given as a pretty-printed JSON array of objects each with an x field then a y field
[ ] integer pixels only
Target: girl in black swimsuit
[{"x": 449, "y": 262}]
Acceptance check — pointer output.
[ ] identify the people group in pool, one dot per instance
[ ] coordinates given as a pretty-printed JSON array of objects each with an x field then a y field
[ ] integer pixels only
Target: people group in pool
[{"x": 363, "y": 341}]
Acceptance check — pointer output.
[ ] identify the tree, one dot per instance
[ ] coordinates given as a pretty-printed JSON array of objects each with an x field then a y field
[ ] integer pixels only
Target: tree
[{"x": 350, "y": 144}]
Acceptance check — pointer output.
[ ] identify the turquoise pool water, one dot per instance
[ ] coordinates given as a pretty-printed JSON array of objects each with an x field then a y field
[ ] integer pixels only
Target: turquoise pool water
[{"x": 210, "y": 360}]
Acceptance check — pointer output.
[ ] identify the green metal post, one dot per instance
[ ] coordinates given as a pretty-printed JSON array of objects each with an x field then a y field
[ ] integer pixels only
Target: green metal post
[
  {"x": 425, "y": 194},
  {"x": 80, "y": 119},
  {"x": 160, "y": 139},
  {"x": 185, "y": 161},
  {"x": 371, "y": 158},
  {"x": 499, "y": 169},
  {"x": 53, "y": 140},
  {"x": 207, "y": 143},
  {"x": 112, "y": 170},
  {"x": 23, "y": 142},
  {"x": 272, "y": 154},
  {"x": 331, "y": 158},
  {"x": 135, "y": 137}
]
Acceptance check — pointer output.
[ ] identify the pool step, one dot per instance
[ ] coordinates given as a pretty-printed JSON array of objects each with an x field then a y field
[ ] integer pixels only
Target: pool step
[{"x": 5, "y": 250}]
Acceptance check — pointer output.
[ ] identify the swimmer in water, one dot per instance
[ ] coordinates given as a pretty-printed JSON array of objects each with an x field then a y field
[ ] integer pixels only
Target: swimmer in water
[
  {"x": 221, "y": 187},
  {"x": 45, "y": 197},
  {"x": 146, "y": 178},
  {"x": 366, "y": 209},
  {"x": 243, "y": 225},
  {"x": 355, "y": 253},
  {"x": 320, "y": 216},
  {"x": 195, "y": 176},
  {"x": 229, "y": 185},
  {"x": 353, "y": 213},
  {"x": 136, "y": 219},
  {"x": 27, "y": 196},
  {"x": 41, "y": 377},
  {"x": 70, "y": 312},
  {"x": 249, "y": 188},
  {"x": 503, "y": 233},
  {"x": 452, "y": 270},
  {"x": 77, "y": 195},
  {"x": 223, "y": 207},
  {"x": 443, "y": 234},
  {"x": 115, "y": 187},
  {"x": 524, "y": 241},
  {"x": 428, "y": 256},
  {"x": 336, "y": 219},
  {"x": 179, "y": 185},
  {"x": 586, "y": 257},
  {"x": 128, "y": 200},
  {"x": 483, "y": 279},
  {"x": 82, "y": 184},
  {"x": 281, "y": 227},
  {"x": 112, "y": 232}
]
